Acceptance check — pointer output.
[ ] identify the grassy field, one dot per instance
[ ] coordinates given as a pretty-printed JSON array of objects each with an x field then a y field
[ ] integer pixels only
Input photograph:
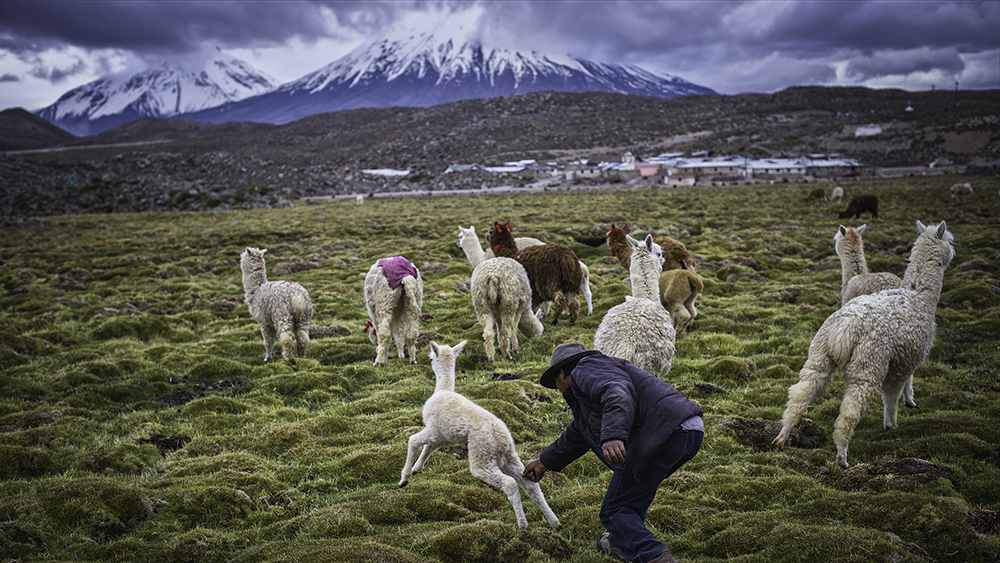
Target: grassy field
[{"x": 138, "y": 421}]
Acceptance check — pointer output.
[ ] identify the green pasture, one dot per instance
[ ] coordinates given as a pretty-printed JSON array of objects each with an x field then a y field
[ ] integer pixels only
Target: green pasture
[{"x": 138, "y": 421}]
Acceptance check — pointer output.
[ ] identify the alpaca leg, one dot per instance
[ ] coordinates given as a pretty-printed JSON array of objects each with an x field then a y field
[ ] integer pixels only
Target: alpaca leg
[
  {"x": 908, "y": 393},
  {"x": 859, "y": 390},
  {"x": 302, "y": 340},
  {"x": 515, "y": 468},
  {"x": 558, "y": 304},
  {"x": 892, "y": 388},
  {"x": 488, "y": 332},
  {"x": 573, "y": 302},
  {"x": 416, "y": 442},
  {"x": 269, "y": 338},
  {"x": 588, "y": 295},
  {"x": 812, "y": 378},
  {"x": 543, "y": 310},
  {"x": 424, "y": 454},
  {"x": 485, "y": 470},
  {"x": 411, "y": 334},
  {"x": 384, "y": 336}
]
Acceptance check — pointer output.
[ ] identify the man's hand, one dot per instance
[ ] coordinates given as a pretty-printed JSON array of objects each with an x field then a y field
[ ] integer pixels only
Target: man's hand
[
  {"x": 614, "y": 451},
  {"x": 534, "y": 471}
]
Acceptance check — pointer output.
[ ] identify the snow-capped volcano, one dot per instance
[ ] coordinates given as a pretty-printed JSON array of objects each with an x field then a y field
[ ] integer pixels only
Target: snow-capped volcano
[
  {"x": 422, "y": 69},
  {"x": 158, "y": 92}
]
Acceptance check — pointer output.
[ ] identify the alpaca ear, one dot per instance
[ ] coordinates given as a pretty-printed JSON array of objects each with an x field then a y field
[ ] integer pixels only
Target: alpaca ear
[
  {"x": 263, "y": 252},
  {"x": 649, "y": 242},
  {"x": 862, "y": 228},
  {"x": 510, "y": 227},
  {"x": 920, "y": 227},
  {"x": 626, "y": 226},
  {"x": 497, "y": 227},
  {"x": 631, "y": 241},
  {"x": 457, "y": 349},
  {"x": 435, "y": 350},
  {"x": 843, "y": 231},
  {"x": 941, "y": 230}
]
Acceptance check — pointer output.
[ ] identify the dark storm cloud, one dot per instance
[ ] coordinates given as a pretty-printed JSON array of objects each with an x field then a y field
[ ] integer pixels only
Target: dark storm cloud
[{"x": 10, "y": 78}]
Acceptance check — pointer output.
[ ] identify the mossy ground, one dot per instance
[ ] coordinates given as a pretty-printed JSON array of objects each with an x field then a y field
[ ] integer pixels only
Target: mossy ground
[{"x": 138, "y": 421}]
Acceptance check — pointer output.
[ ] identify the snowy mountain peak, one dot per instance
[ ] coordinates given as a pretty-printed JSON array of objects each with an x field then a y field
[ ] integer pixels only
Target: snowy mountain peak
[{"x": 163, "y": 91}]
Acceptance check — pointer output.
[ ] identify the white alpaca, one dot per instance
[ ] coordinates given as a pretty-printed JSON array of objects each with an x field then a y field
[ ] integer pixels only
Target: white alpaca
[
  {"x": 960, "y": 191},
  {"x": 878, "y": 339},
  {"x": 451, "y": 419},
  {"x": 837, "y": 194},
  {"x": 394, "y": 295},
  {"x": 640, "y": 330},
  {"x": 468, "y": 241},
  {"x": 855, "y": 278},
  {"x": 501, "y": 297},
  {"x": 283, "y": 309}
]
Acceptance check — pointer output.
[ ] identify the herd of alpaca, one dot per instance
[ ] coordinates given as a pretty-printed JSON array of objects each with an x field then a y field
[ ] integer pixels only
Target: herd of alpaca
[{"x": 882, "y": 332}]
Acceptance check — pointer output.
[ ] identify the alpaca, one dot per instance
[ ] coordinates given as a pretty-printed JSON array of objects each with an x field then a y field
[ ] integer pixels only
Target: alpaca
[
  {"x": 451, "y": 419},
  {"x": 678, "y": 291},
  {"x": 553, "y": 270},
  {"x": 855, "y": 278},
  {"x": 394, "y": 295},
  {"x": 640, "y": 330},
  {"x": 674, "y": 251},
  {"x": 959, "y": 191},
  {"x": 283, "y": 309},
  {"x": 817, "y": 193},
  {"x": 859, "y": 205},
  {"x": 501, "y": 297},
  {"x": 469, "y": 243},
  {"x": 878, "y": 339},
  {"x": 837, "y": 194}
]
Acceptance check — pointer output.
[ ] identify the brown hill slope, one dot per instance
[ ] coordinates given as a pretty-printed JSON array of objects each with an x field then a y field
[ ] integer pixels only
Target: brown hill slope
[{"x": 21, "y": 129}]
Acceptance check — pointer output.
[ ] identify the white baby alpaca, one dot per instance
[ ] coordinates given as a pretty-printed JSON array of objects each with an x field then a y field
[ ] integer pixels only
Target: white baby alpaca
[{"x": 451, "y": 419}]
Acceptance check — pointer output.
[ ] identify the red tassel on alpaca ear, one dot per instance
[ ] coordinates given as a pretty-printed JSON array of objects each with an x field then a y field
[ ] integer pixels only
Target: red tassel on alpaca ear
[
  {"x": 509, "y": 226},
  {"x": 626, "y": 226},
  {"x": 498, "y": 227}
]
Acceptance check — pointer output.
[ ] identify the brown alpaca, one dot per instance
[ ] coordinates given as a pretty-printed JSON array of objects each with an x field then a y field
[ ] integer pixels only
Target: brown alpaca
[
  {"x": 674, "y": 251},
  {"x": 678, "y": 291},
  {"x": 818, "y": 193},
  {"x": 859, "y": 205},
  {"x": 553, "y": 270}
]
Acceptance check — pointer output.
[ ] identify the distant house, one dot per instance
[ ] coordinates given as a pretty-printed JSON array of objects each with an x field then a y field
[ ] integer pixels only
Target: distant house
[
  {"x": 868, "y": 130},
  {"x": 830, "y": 167},
  {"x": 775, "y": 168},
  {"x": 647, "y": 168},
  {"x": 681, "y": 178}
]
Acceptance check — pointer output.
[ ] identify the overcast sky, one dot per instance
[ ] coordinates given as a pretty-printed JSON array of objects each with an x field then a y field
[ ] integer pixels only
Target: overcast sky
[{"x": 49, "y": 47}]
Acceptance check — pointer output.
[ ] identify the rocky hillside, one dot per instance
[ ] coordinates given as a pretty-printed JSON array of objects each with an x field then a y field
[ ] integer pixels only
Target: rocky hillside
[{"x": 155, "y": 164}]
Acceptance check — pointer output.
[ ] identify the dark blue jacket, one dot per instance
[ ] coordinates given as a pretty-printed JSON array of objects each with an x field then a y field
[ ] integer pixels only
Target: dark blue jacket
[{"x": 611, "y": 399}]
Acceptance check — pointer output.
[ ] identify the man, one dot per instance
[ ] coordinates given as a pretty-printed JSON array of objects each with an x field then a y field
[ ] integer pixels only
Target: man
[{"x": 639, "y": 426}]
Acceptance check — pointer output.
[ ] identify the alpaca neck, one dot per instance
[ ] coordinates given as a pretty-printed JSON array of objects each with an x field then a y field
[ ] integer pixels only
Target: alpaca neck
[
  {"x": 444, "y": 379},
  {"x": 645, "y": 275},
  {"x": 473, "y": 250},
  {"x": 852, "y": 262},
  {"x": 623, "y": 252},
  {"x": 253, "y": 278},
  {"x": 506, "y": 248}
]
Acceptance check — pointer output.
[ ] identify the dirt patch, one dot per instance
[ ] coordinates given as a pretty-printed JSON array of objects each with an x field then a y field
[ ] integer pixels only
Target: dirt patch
[
  {"x": 907, "y": 474},
  {"x": 166, "y": 444},
  {"x": 758, "y": 434}
]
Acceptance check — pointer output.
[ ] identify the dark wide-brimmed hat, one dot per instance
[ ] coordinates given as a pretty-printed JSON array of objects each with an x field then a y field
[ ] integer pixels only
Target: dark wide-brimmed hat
[{"x": 564, "y": 357}]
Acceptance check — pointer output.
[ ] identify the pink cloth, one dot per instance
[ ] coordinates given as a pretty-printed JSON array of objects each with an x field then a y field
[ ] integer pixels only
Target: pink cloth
[{"x": 397, "y": 268}]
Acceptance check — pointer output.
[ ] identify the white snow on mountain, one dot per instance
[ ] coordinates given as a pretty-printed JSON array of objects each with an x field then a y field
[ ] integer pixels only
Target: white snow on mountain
[{"x": 162, "y": 92}]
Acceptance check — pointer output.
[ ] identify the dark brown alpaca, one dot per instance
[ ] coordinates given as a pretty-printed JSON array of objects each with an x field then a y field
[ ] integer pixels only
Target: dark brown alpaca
[
  {"x": 859, "y": 205},
  {"x": 553, "y": 270},
  {"x": 676, "y": 256}
]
